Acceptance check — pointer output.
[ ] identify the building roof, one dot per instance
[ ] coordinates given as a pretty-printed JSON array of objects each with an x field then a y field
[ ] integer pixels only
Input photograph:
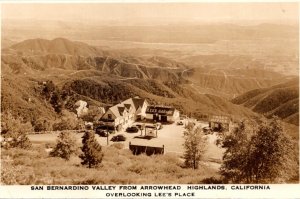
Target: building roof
[
  {"x": 115, "y": 111},
  {"x": 127, "y": 106},
  {"x": 121, "y": 110},
  {"x": 135, "y": 103},
  {"x": 138, "y": 102},
  {"x": 127, "y": 103},
  {"x": 160, "y": 110}
]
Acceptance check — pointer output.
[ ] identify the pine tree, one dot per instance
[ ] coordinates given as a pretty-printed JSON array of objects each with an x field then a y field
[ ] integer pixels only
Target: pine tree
[
  {"x": 66, "y": 146},
  {"x": 194, "y": 145},
  {"x": 56, "y": 102},
  {"x": 92, "y": 150}
]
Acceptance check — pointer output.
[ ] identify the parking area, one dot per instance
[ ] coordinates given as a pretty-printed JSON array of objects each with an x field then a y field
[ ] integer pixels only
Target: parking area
[{"x": 171, "y": 136}]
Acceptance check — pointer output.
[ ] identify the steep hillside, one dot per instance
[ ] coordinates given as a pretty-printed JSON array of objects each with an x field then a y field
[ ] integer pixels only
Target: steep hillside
[
  {"x": 111, "y": 91},
  {"x": 281, "y": 100},
  {"x": 22, "y": 97},
  {"x": 230, "y": 83}
]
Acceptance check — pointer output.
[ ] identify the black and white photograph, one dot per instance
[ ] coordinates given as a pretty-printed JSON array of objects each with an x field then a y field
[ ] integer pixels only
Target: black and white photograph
[{"x": 149, "y": 93}]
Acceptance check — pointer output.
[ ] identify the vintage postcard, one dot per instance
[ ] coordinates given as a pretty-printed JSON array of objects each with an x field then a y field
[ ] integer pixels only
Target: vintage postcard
[{"x": 131, "y": 99}]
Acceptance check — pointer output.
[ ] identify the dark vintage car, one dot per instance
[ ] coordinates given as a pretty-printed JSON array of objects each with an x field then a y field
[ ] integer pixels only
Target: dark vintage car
[
  {"x": 118, "y": 138},
  {"x": 179, "y": 123},
  {"x": 148, "y": 137},
  {"x": 132, "y": 129},
  {"x": 101, "y": 132},
  {"x": 207, "y": 130}
]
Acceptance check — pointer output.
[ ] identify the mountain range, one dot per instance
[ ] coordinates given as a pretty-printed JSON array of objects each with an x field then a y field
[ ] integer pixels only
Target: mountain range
[{"x": 103, "y": 77}]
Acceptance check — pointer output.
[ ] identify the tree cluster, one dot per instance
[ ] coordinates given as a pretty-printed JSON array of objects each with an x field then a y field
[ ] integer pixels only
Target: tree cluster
[
  {"x": 68, "y": 121},
  {"x": 14, "y": 129},
  {"x": 259, "y": 154},
  {"x": 66, "y": 146},
  {"x": 93, "y": 115},
  {"x": 53, "y": 95}
]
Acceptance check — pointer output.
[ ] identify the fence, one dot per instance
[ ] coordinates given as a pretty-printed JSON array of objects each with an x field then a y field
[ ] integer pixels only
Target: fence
[{"x": 55, "y": 132}]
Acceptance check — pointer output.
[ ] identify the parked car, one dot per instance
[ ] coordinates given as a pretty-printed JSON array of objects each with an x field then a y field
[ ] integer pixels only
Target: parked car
[
  {"x": 101, "y": 132},
  {"x": 148, "y": 137},
  {"x": 132, "y": 129},
  {"x": 207, "y": 130},
  {"x": 179, "y": 123},
  {"x": 118, "y": 138}
]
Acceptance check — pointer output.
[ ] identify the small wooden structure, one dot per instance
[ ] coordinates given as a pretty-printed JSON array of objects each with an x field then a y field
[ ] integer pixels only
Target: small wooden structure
[
  {"x": 220, "y": 123},
  {"x": 149, "y": 150}
]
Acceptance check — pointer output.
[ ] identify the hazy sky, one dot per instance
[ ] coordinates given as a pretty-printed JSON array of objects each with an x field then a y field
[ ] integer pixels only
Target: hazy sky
[{"x": 156, "y": 12}]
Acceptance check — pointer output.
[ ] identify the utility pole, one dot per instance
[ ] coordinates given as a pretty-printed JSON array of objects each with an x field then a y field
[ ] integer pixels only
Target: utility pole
[
  {"x": 142, "y": 128},
  {"x": 107, "y": 135}
]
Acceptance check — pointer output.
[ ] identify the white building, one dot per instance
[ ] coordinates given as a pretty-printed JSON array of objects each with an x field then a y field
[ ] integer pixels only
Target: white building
[
  {"x": 162, "y": 114},
  {"x": 125, "y": 113}
]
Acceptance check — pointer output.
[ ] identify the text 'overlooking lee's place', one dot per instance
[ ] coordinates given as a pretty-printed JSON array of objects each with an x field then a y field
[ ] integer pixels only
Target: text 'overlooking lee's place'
[{"x": 135, "y": 94}]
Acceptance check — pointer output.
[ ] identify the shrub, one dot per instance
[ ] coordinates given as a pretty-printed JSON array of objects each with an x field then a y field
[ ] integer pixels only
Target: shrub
[
  {"x": 42, "y": 125},
  {"x": 9, "y": 173},
  {"x": 22, "y": 142},
  {"x": 118, "y": 145},
  {"x": 212, "y": 180},
  {"x": 65, "y": 147}
]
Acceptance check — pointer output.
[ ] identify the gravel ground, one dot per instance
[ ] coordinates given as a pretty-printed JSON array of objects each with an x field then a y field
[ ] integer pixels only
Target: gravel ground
[{"x": 171, "y": 136}]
